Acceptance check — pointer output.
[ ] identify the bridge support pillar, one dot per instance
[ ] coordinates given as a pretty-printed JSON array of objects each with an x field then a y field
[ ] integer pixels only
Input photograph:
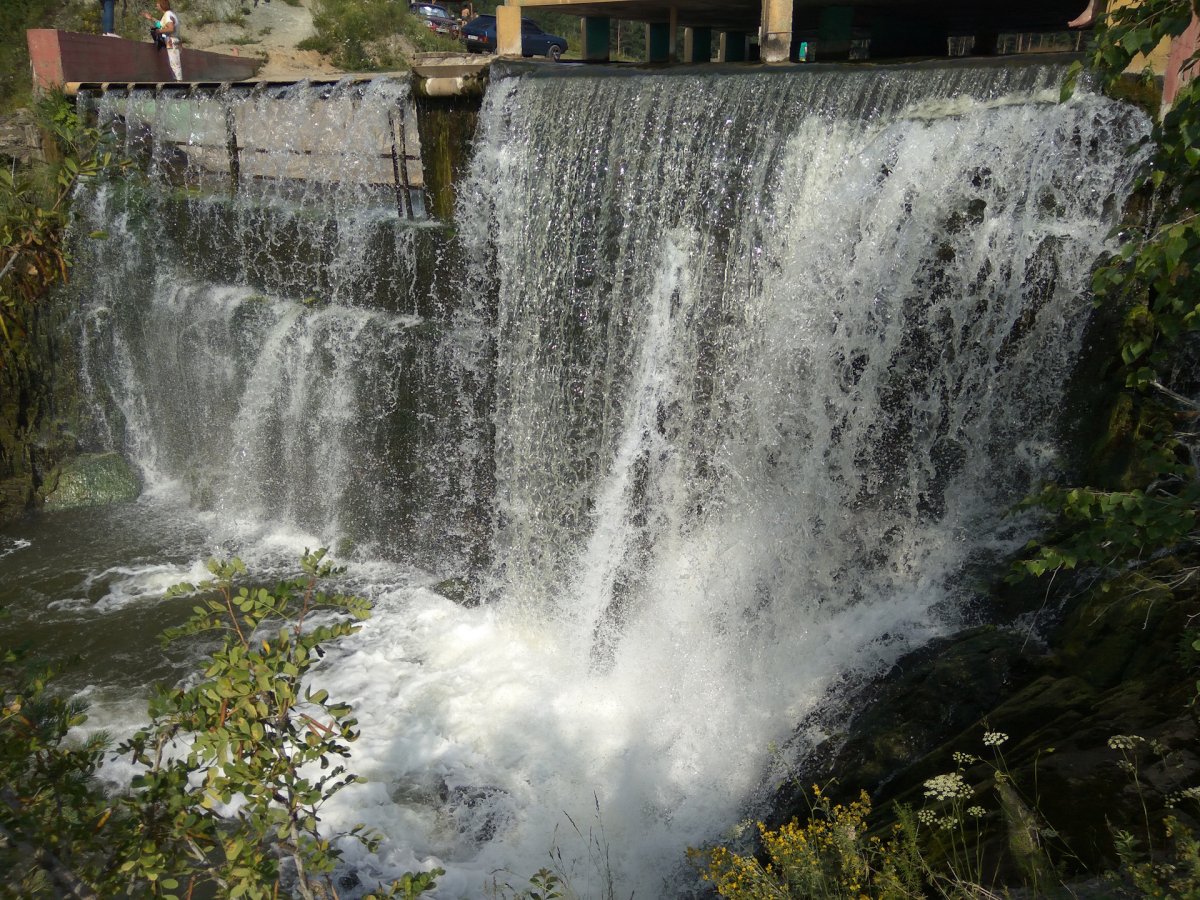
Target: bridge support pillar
[
  {"x": 697, "y": 45},
  {"x": 775, "y": 33},
  {"x": 596, "y": 42},
  {"x": 508, "y": 30},
  {"x": 733, "y": 47},
  {"x": 660, "y": 39}
]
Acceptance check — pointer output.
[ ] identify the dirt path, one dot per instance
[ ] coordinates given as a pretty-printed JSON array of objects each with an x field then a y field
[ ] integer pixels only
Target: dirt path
[{"x": 271, "y": 30}]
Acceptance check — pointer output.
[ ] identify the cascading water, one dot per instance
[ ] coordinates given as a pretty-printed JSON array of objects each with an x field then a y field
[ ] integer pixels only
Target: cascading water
[
  {"x": 272, "y": 355},
  {"x": 735, "y": 374}
]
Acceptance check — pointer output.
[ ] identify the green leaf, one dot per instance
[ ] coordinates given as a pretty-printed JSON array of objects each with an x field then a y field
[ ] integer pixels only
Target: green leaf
[{"x": 1070, "y": 80}]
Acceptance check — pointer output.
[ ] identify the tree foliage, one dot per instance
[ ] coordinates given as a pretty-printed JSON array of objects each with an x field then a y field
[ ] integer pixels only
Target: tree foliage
[
  {"x": 15, "y": 17},
  {"x": 52, "y": 816},
  {"x": 34, "y": 215}
]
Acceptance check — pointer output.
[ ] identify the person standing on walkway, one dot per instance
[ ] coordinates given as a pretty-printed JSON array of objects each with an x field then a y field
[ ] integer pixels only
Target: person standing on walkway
[
  {"x": 108, "y": 15},
  {"x": 168, "y": 26}
]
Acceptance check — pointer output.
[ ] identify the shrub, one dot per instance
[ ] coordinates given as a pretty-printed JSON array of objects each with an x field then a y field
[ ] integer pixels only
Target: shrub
[
  {"x": 234, "y": 769},
  {"x": 347, "y": 29},
  {"x": 830, "y": 856}
]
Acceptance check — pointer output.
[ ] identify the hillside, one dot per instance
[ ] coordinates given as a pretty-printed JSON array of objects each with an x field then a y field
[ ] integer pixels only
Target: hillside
[{"x": 271, "y": 30}]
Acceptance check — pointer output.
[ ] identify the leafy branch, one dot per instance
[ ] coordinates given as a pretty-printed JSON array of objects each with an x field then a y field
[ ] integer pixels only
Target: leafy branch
[{"x": 234, "y": 768}]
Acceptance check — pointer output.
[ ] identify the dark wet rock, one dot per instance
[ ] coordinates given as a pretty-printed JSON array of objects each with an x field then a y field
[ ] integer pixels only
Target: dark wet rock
[
  {"x": 1115, "y": 661},
  {"x": 462, "y": 591}
]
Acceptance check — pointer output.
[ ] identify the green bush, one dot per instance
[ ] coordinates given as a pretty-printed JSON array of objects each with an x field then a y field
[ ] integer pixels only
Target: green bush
[
  {"x": 233, "y": 769},
  {"x": 351, "y": 32},
  {"x": 34, "y": 212}
]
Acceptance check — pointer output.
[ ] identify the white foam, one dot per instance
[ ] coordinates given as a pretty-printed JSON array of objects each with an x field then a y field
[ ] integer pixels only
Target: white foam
[{"x": 9, "y": 546}]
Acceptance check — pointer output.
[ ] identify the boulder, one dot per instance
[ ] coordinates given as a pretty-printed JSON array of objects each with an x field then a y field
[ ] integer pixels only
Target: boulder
[{"x": 96, "y": 479}]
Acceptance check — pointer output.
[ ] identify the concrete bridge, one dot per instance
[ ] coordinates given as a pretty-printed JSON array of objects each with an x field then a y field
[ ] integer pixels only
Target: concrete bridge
[{"x": 786, "y": 29}]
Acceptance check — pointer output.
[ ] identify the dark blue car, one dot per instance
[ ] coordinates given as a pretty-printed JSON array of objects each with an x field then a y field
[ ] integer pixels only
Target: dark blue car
[{"x": 480, "y": 37}]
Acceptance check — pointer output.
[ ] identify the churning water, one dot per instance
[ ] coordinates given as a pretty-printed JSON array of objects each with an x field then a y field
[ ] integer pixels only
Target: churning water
[{"x": 720, "y": 389}]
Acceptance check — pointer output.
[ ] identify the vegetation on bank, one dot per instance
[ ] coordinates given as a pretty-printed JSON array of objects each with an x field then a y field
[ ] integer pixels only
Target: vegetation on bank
[
  {"x": 1154, "y": 282},
  {"x": 15, "y": 17},
  {"x": 34, "y": 214},
  {"x": 359, "y": 35}
]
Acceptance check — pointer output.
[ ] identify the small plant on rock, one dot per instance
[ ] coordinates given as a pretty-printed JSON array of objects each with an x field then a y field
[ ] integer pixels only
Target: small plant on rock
[{"x": 830, "y": 856}]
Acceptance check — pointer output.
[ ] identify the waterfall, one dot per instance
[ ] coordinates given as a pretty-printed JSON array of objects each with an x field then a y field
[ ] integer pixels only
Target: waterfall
[
  {"x": 786, "y": 343},
  {"x": 720, "y": 392}
]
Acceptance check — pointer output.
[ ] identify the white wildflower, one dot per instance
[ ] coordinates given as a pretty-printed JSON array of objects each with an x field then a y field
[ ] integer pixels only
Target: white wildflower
[
  {"x": 975, "y": 812},
  {"x": 1125, "y": 741},
  {"x": 926, "y": 816},
  {"x": 994, "y": 738},
  {"x": 947, "y": 787},
  {"x": 964, "y": 759},
  {"x": 946, "y": 823}
]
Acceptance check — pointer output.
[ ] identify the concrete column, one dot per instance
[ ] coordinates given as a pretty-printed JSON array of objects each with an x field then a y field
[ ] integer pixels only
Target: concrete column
[
  {"x": 775, "y": 32},
  {"x": 697, "y": 45},
  {"x": 508, "y": 30},
  {"x": 732, "y": 47},
  {"x": 596, "y": 39}
]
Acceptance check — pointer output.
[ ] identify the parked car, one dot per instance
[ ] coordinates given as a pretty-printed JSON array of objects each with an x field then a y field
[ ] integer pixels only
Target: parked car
[
  {"x": 480, "y": 37},
  {"x": 438, "y": 18}
]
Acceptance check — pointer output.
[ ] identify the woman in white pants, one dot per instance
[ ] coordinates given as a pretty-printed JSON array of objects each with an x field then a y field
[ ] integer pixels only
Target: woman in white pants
[{"x": 168, "y": 24}]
